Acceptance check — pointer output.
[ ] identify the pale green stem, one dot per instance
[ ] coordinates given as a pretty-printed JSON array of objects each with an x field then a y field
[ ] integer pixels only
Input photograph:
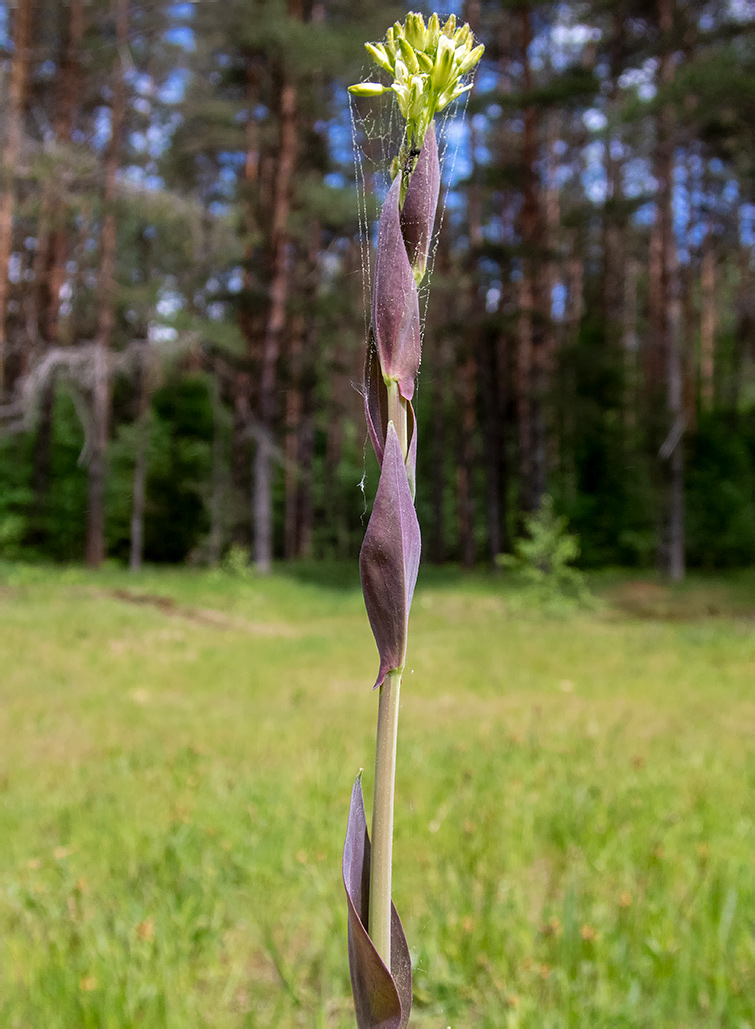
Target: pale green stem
[
  {"x": 381, "y": 859},
  {"x": 397, "y": 414}
]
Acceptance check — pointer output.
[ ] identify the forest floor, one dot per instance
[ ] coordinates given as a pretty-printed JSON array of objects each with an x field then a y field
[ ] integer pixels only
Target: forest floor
[{"x": 575, "y": 824}]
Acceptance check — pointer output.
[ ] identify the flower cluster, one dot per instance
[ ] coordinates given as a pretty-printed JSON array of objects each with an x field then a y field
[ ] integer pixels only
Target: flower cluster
[{"x": 427, "y": 63}]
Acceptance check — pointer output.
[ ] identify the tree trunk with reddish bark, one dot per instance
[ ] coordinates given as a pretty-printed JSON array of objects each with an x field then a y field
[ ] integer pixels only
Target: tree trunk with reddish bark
[
  {"x": 136, "y": 556},
  {"x": 707, "y": 321},
  {"x": 534, "y": 308},
  {"x": 14, "y": 116},
  {"x": 95, "y": 543},
  {"x": 666, "y": 317},
  {"x": 50, "y": 262},
  {"x": 275, "y": 323},
  {"x": 65, "y": 116},
  {"x": 466, "y": 385}
]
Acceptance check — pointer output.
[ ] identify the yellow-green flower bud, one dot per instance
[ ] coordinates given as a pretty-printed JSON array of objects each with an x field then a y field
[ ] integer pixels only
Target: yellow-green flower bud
[
  {"x": 443, "y": 73},
  {"x": 368, "y": 89},
  {"x": 390, "y": 43},
  {"x": 450, "y": 27},
  {"x": 409, "y": 56},
  {"x": 471, "y": 60},
  {"x": 415, "y": 30},
  {"x": 462, "y": 35},
  {"x": 425, "y": 62},
  {"x": 379, "y": 55}
]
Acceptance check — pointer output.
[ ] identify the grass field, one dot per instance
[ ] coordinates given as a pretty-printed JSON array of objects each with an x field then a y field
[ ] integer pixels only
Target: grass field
[{"x": 576, "y": 817}]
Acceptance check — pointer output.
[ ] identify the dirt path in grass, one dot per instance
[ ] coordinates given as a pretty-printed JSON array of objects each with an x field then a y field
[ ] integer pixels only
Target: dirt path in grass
[{"x": 202, "y": 615}]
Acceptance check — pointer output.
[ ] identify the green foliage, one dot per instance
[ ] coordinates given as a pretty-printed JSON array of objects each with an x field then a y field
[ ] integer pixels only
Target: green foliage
[
  {"x": 15, "y": 496},
  {"x": 65, "y": 517},
  {"x": 720, "y": 492},
  {"x": 544, "y": 558},
  {"x": 179, "y": 463},
  {"x": 236, "y": 562},
  {"x": 610, "y": 502},
  {"x": 577, "y": 850}
]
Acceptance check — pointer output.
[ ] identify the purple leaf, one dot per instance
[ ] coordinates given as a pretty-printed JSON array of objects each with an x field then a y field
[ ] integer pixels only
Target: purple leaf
[
  {"x": 395, "y": 305},
  {"x": 382, "y": 999},
  {"x": 375, "y": 401},
  {"x": 376, "y": 415},
  {"x": 389, "y": 559},
  {"x": 421, "y": 202}
]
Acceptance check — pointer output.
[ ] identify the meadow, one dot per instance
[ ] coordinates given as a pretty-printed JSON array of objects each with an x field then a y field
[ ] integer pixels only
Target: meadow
[{"x": 575, "y": 824}]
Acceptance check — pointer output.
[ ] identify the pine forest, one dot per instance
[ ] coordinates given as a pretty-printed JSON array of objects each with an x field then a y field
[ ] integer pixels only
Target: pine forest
[{"x": 187, "y": 227}]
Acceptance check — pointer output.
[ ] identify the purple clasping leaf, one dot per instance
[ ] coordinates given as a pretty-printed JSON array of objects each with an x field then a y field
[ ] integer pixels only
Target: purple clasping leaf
[
  {"x": 382, "y": 998},
  {"x": 420, "y": 204},
  {"x": 375, "y": 401},
  {"x": 376, "y": 415},
  {"x": 389, "y": 559},
  {"x": 395, "y": 304}
]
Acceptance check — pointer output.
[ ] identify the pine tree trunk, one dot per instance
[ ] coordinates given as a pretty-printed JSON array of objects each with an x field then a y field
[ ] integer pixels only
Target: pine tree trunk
[
  {"x": 307, "y": 386},
  {"x": 306, "y": 456},
  {"x": 527, "y": 501},
  {"x": 95, "y": 545},
  {"x": 491, "y": 409},
  {"x": 549, "y": 276},
  {"x": 293, "y": 430},
  {"x": 677, "y": 422},
  {"x": 630, "y": 343},
  {"x": 276, "y": 317},
  {"x": 669, "y": 319},
  {"x": 67, "y": 102},
  {"x": 299, "y": 512},
  {"x": 11, "y": 151},
  {"x": 219, "y": 495},
  {"x": 744, "y": 334},
  {"x": 613, "y": 223},
  {"x": 532, "y": 357},
  {"x": 136, "y": 557},
  {"x": 653, "y": 356},
  {"x": 707, "y": 321},
  {"x": 466, "y": 385},
  {"x": 50, "y": 261}
]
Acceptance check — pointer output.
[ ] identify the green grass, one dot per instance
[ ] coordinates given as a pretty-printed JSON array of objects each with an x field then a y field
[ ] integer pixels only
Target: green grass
[{"x": 575, "y": 827}]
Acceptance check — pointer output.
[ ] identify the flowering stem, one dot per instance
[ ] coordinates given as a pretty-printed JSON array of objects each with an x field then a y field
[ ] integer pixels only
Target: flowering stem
[
  {"x": 428, "y": 64},
  {"x": 382, "y": 816},
  {"x": 381, "y": 861}
]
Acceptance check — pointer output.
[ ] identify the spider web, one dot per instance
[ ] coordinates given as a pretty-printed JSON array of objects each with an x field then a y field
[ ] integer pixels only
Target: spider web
[{"x": 377, "y": 131}]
